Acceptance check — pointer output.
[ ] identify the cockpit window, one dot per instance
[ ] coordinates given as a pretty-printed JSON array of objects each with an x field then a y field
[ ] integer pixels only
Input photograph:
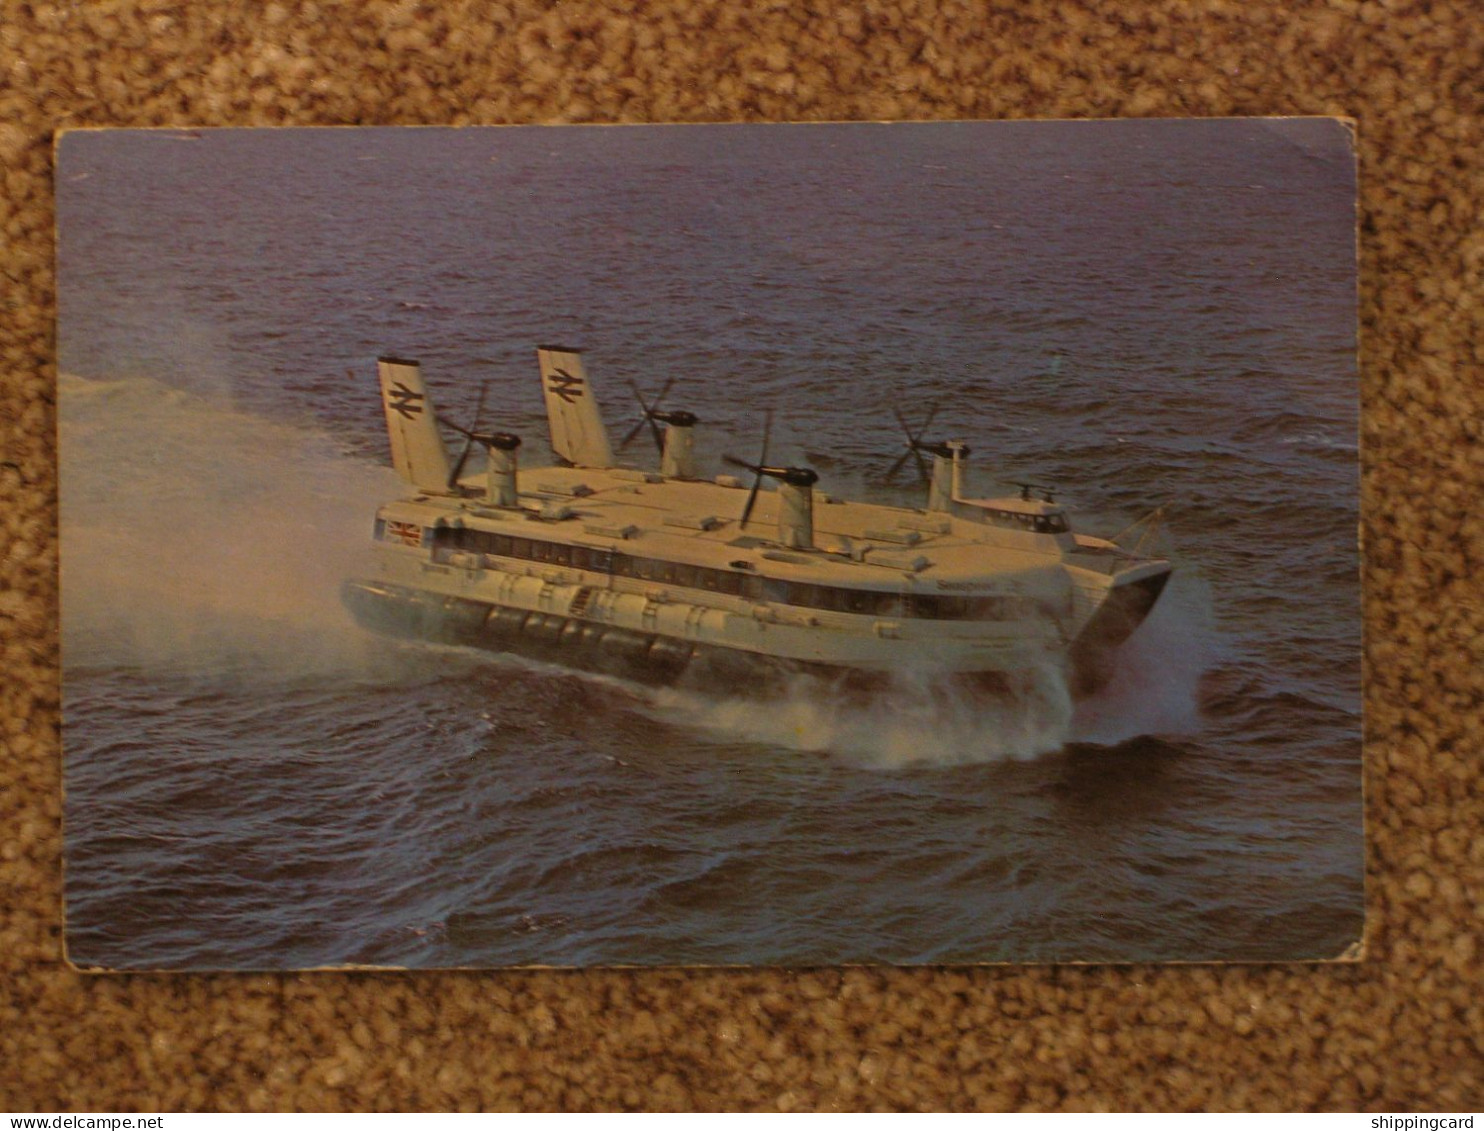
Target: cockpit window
[{"x": 1036, "y": 523}]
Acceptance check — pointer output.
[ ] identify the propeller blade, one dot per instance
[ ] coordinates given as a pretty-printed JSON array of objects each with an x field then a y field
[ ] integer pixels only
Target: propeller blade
[
  {"x": 757, "y": 471},
  {"x": 902, "y": 420},
  {"x": 484, "y": 389},
  {"x": 896, "y": 467},
  {"x": 646, "y": 416},
  {"x": 914, "y": 443},
  {"x": 632, "y": 432},
  {"x": 459, "y": 428},
  {"x": 639, "y": 425},
  {"x": 755, "y": 468},
  {"x": 458, "y": 468},
  {"x": 751, "y": 498},
  {"x": 927, "y": 421},
  {"x": 664, "y": 389},
  {"x": 922, "y": 467},
  {"x": 654, "y": 428}
]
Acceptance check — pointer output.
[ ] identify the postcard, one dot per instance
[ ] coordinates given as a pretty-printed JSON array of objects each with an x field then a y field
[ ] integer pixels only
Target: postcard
[{"x": 814, "y": 544}]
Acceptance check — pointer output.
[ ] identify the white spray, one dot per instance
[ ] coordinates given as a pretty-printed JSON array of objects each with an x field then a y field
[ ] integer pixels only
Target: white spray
[
  {"x": 918, "y": 719},
  {"x": 921, "y": 719},
  {"x": 198, "y": 537},
  {"x": 1156, "y": 686}
]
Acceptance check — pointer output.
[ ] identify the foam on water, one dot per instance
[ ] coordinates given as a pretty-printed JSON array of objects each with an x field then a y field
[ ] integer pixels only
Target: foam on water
[{"x": 921, "y": 719}]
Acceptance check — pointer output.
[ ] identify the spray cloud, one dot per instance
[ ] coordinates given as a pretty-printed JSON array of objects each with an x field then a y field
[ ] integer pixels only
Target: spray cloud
[{"x": 198, "y": 537}]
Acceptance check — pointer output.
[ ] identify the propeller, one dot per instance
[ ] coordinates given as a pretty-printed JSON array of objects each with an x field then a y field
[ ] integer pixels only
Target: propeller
[
  {"x": 504, "y": 441},
  {"x": 916, "y": 446},
  {"x": 794, "y": 476},
  {"x": 470, "y": 433},
  {"x": 649, "y": 414}
]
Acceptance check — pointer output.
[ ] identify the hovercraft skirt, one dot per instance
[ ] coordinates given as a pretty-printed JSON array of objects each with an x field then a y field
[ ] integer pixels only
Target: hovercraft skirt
[{"x": 396, "y": 610}]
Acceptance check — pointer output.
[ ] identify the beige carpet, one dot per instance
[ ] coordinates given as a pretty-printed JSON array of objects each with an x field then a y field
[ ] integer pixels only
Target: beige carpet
[{"x": 1403, "y": 1030}]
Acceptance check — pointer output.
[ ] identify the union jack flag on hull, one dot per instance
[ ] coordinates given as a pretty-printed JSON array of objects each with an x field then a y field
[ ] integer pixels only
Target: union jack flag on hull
[{"x": 409, "y": 533}]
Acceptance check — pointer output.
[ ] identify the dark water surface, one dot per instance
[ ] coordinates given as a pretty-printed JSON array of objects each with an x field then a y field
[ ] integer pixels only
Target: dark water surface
[{"x": 1139, "y": 313}]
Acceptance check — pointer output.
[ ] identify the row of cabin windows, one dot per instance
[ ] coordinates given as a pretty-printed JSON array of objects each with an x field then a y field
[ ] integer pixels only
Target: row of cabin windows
[
  {"x": 736, "y": 583},
  {"x": 1036, "y": 523}
]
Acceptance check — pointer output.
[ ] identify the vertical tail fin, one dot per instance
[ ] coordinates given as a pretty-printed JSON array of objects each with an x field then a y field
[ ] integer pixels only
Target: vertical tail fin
[
  {"x": 577, "y": 432},
  {"x": 418, "y": 453}
]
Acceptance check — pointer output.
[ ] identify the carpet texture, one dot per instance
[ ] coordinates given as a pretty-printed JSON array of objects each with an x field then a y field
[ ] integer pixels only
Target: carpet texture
[{"x": 1403, "y": 1029}]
